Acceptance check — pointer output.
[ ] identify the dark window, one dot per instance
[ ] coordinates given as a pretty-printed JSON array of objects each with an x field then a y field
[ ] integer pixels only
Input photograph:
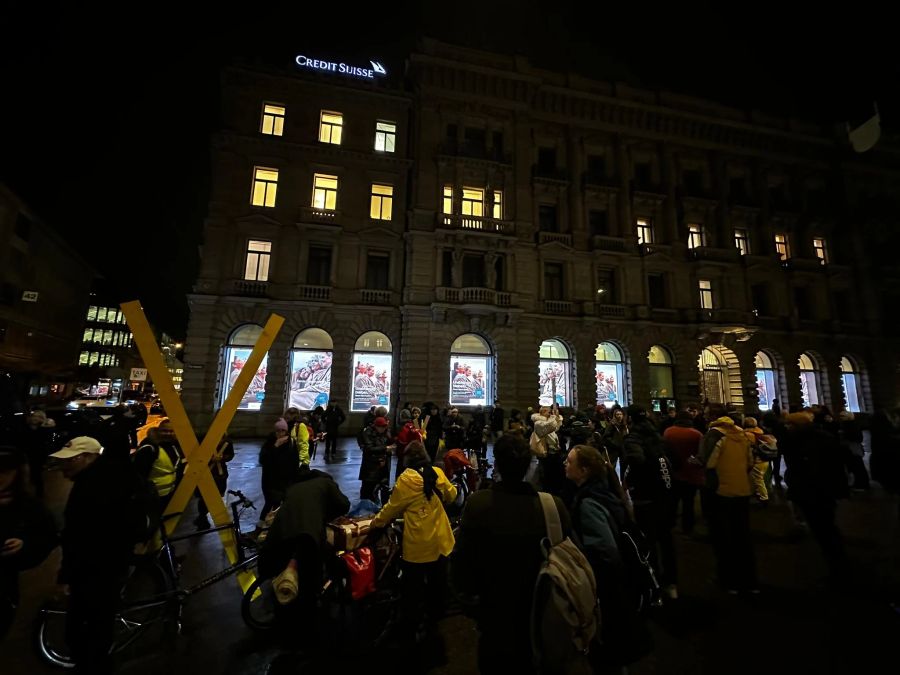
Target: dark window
[
  {"x": 643, "y": 174},
  {"x": 606, "y": 287},
  {"x": 7, "y": 294},
  {"x": 777, "y": 196},
  {"x": 447, "y": 269},
  {"x": 377, "y": 270},
  {"x": 452, "y": 133},
  {"x": 802, "y": 302},
  {"x": 498, "y": 144},
  {"x": 844, "y": 306},
  {"x": 760, "y": 297},
  {"x": 23, "y": 227},
  {"x": 475, "y": 140},
  {"x": 553, "y": 281},
  {"x": 596, "y": 166},
  {"x": 693, "y": 181},
  {"x": 656, "y": 287},
  {"x": 547, "y": 218},
  {"x": 598, "y": 222},
  {"x": 737, "y": 187},
  {"x": 318, "y": 272},
  {"x": 498, "y": 274},
  {"x": 547, "y": 159},
  {"x": 473, "y": 271}
]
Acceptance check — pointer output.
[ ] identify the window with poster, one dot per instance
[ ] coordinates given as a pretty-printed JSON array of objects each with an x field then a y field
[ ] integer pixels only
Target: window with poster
[
  {"x": 809, "y": 380},
  {"x": 555, "y": 374},
  {"x": 850, "y": 382},
  {"x": 310, "y": 383},
  {"x": 662, "y": 390},
  {"x": 236, "y": 353},
  {"x": 372, "y": 364},
  {"x": 610, "y": 373},
  {"x": 471, "y": 371},
  {"x": 766, "y": 381}
]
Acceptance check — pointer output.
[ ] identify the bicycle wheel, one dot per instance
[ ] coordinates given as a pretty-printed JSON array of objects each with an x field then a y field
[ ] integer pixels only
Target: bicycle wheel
[
  {"x": 148, "y": 581},
  {"x": 259, "y": 606},
  {"x": 50, "y": 637}
]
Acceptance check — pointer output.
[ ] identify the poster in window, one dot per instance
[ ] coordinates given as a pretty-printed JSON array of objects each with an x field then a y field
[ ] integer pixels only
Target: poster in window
[
  {"x": 310, "y": 379},
  {"x": 554, "y": 381},
  {"x": 256, "y": 392},
  {"x": 609, "y": 381},
  {"x": 371, "y": 381},
  {"x": 469, "y": 380}
]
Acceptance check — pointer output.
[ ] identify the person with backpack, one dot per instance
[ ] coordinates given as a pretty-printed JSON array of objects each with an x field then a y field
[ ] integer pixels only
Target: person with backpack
[
  {"x": 765, "y": 449},
  {"x": 599, "y": 517},
  {"x": 497, "y": 557}
]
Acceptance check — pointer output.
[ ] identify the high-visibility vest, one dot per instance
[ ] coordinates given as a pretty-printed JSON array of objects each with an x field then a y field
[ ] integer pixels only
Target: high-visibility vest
[{"x": 163, "y": 473}]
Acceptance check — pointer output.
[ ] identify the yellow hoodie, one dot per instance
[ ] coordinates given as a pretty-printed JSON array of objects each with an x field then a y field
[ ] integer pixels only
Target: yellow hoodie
[{"x": 732, "y": 459}]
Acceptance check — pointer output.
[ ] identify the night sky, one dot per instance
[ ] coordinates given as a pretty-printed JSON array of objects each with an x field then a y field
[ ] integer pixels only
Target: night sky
[{"x": 105, "y": 130}]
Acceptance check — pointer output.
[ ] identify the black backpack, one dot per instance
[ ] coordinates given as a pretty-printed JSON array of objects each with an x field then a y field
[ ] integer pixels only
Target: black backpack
[{"x": 639, "y": 575}]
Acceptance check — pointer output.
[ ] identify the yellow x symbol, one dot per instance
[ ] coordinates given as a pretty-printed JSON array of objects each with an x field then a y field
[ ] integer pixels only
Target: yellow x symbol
[{"x": 197, "y": 475}]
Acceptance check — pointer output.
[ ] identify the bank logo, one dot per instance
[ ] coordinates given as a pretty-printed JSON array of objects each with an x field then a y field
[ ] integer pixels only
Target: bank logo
[
  {"x": 341, "y": 68},
  {"x": 378, "y": 68}
]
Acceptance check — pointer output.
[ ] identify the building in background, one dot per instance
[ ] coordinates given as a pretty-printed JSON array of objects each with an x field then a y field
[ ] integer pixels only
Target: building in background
[
  {"x": 483, "y": 229},
  {"x": 44, "y": 290}
]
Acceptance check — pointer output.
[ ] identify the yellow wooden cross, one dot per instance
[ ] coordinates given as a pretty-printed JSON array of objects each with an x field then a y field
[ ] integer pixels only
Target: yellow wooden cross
[{"x": 197, "y": 475}]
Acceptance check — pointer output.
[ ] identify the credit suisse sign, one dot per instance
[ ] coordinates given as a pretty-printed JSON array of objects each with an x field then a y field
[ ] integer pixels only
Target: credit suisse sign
[{"x": 342, "y": 68}]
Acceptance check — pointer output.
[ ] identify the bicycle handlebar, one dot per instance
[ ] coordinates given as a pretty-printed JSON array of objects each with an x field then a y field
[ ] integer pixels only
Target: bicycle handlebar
[{"x": 246, "y": 503}]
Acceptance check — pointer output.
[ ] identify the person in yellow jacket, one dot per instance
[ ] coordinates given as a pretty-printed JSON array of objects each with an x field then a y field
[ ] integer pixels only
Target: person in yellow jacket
[
  {"x": 427, "y": 539},
  {"x": 732, "y": 461},
  {"x": 299, "y": 432},
  {"x": 762, "y": 444}
]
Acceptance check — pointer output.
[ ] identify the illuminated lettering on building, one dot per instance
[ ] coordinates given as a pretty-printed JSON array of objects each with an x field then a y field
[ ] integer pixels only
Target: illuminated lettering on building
[{"x": 341, "y": 68}]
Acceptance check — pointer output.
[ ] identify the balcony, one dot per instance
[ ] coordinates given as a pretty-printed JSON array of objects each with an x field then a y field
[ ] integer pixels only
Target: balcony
[
  {"x": 612, "y": 244},
  {"x": 314, "y": 293},
  {"x": 803, "y": 265},
  {"x": 558, "y": 237},
  {"x": 474, "y": 151},
  {"x": 650, "y": 249},
  {"x": 478, "y": 224},
  {"x": 608, "y": 311},
  {"x": 559, "y": 307},
  {"x": 375, "y": 297},
  {"x": 593, "y": 179},
  {"x": 553, "y": 174},
  {"x": 474, "y": 296},
  {"x": 251, "y": 289},
  {"x": 308, "y": 214},
  {"x": 664, "y": 315},
  {"x": 711, "y": 254}
]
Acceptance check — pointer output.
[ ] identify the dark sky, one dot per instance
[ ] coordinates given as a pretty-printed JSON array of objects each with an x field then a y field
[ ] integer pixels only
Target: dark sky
[{"x": 105, "y": 130}]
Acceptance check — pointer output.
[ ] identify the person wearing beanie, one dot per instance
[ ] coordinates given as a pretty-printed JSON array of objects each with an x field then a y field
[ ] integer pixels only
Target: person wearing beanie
[
  {"x": 377, "y": 446},
  {"x": 280, "y": 467}
]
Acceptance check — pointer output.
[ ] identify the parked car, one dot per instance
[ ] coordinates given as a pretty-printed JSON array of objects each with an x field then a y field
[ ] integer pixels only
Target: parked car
[{"x": 91, "y": 402}]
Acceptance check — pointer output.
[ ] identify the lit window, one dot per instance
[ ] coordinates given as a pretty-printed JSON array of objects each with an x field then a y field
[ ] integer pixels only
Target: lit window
[
  {"x": 382, "y": 202},
  {"x": 101, "y": 314},
  {"x": 92, "y": 313},
  {"x": 695, "y": 236},
  {"x": 330, "y": 127},
  {"x": 473, "y": 202},
  {"x": 448, "y": 200},
  {"x": 94, "y": 358},
  {"x": 385, "y": 136},
  {"x": 83, "y": 358},
  {"x": 781, "y": 246},
  {"x": 498, "y": 204},
  {"x": 821, "y": 250},
  {"x": 88, "y": 335},
  {"x": 644, "y": 232},
  {"x": 265, "y": 183},
  {"x": 258, "y": 255},
  {"x": 742, "y": 241},
  {"x": 107, "y": 337},
  {"x": 706, "y": 295},
  {"x": 325, "y": 192},
  {"x": 272, "y": 120}
]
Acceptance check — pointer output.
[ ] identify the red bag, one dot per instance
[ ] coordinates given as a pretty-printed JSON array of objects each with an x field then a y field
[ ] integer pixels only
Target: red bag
[{"x": 361, "y": 570}]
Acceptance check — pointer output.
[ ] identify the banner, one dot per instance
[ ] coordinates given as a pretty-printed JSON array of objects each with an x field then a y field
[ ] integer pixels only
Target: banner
[
  {"x": 609, "y": 383},
  {"x": 469, "y": 380},
  {"x": 256, "y": 392},
  {"x": 310, "y": 379},
  {"x": 371, "y": 381},
  {"x": 554, "y": 381}
]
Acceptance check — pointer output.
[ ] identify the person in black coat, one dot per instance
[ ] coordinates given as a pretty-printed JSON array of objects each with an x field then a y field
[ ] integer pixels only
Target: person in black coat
[
  {"x": 280, "y": 464},
  {"x": 376, "y": 445},
  {"x": 27, "y": 532},
  {"x": 334, "y": 418},
  {"x": 434, "y": 427}
]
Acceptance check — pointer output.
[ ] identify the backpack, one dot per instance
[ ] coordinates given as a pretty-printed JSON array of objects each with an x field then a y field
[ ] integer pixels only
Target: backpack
[
  {"x": 564, "y": 613},
  {"x": 640, "y": 578}
]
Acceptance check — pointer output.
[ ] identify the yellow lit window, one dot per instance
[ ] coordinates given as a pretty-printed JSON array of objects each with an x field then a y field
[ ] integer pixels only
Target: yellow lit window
[
  {"x": 325, "y": 192},
  {"x": 385, "y": 136},
  {"x": 448, "y": 200},
  {"x": 644, "y": 232},
  {"x": 272, "y": 120},
  {"x": 821, "y": 250},
  {"x": 742, "y": 241},
  {"x": 83, "y": 358},
  {"x": 382, "y": 201},
  {"x": 706, "y": 294},
  {"x": 498, "y": 204},
  {"x": 781, "y": 246},
  {"x": 257, "y": 265},
  {"x": 265, "y": 183},
  {"x": 330, "y": 127},
  {"x": 695, "y": 235},
  {"x": 92, "y": 313},
  {"x": 473, "y": 202}
]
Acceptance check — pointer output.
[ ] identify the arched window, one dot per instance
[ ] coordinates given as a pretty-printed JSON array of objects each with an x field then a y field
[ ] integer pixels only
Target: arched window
[
  {"x": 555, "y": 374},
  {"x": 237, "y": 351},
  {"x": 471, "y": 371},
  {"x": 714, "y": 375},
  {"x": 372, "y": 362},
  {"x": 852, "y": 386},
  {"x": 809, "y": 380},
  {"x": 662, "y": 390},
  {"x": 610, "y": 374},
  {"x": 310, "y": 369},
  {"x": 766, "y": 381}
]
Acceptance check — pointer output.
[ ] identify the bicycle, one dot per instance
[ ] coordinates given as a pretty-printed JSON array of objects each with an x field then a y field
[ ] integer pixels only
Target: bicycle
[{"x": 152, "y": 596}]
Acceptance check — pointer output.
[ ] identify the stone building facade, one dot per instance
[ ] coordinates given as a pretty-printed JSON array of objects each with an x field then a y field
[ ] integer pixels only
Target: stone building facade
[{"x": 539, "y": 222}]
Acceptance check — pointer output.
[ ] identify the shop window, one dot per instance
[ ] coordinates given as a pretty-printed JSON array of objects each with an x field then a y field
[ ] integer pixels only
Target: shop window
[
  {"x": 809, "y": 380},
  {"x": 850, "y": 381},
  {"x": 555, "y": 374},
  {"x": 373, "y": 361},
  {"x": 310, "y": 378},
  {"x": 237, "y": 351},
  {"x": 471, "y": 371},
  {"x": 766, "y": 381},
  {"x": 609, "y": 371},
  {"x": 662, "y": 390}
]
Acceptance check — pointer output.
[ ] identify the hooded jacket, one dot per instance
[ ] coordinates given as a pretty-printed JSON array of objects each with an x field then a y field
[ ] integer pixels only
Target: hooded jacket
[
  {"x": 648, "y": 471},
  {"x": 546, "y": 428},
  {"x": 756, "y": 436},
  {"x": 731, "y": 459}
]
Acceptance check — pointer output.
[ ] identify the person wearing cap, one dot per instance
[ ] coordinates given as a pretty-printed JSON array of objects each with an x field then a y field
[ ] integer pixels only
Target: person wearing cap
[
  {"x": 104, "y": 519},
  {"x": 280, "y": 466},
  {"x": 27, "y": 532},
  {"x": 376, "y": 458}
]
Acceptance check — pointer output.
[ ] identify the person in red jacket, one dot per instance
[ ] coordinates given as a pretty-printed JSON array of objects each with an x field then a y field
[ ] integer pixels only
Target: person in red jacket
[
  {"x": 683, "y": 443},
  {"x": 407, "y": 434}
]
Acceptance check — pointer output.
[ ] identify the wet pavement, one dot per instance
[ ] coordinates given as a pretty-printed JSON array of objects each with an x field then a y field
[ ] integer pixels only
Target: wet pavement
[{"x": 797, "y": 625}]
